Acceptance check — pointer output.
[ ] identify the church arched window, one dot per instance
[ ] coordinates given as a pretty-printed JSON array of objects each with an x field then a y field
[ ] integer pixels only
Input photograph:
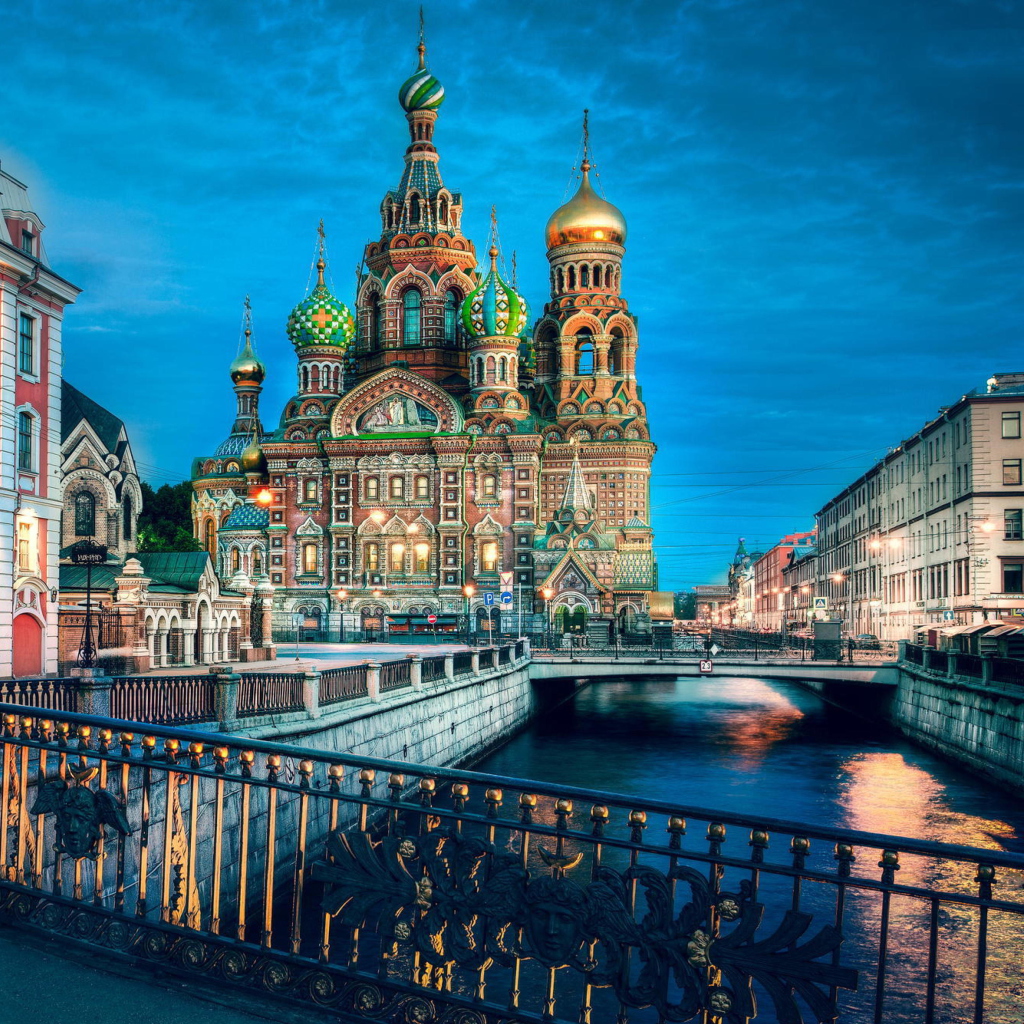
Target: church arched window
[
  {"x": 373, "y": 324},
  {"x": 451, "y": 311},
  {"x": 210, "y": 537},
  {"x": 584, "y": 276},
  {"x": 584, "y": 353},
  {"x": 422, "y": 487},
  {"x": 85, "y": 514},
  {"x": 414, "y": 210},
  {"x": 421, "y": 553},
  {"x": 126, "y": 522},
  {"x": 560, "y": 280},
  {"x": 372, "y": 557},
  {"x": 257, "y": 562},
  {"x": 372, "y": 488},
  {"x": 491, "y": 369},
  {"x": 597, "y": 275},
  {"x": 442, "y": 211},
  {"x": 571, "y": 279},
  {"x": 411, "y": 307},
  {"x": 236, "y": 560}
]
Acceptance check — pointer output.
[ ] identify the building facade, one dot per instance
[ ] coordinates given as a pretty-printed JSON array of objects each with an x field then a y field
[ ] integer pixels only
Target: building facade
[
  {"x": 32, "y": 302},
  {"x": 770, "y": 587},
  {"x": 933, "y": 532},
  {"x": 438, "y": 448}
]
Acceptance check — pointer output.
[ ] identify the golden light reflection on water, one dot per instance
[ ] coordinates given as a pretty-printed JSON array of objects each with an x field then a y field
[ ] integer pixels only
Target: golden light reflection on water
[
  {"x": 882, "y": 792},
  {"x": 768, "y": 718}
]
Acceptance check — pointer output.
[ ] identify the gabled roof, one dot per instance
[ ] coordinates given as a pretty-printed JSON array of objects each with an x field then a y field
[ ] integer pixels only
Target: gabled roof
[
  {"x": 76, "y": 407},
  {"x": 570, "y": 558},
  {"x": 175, "y": 572}
]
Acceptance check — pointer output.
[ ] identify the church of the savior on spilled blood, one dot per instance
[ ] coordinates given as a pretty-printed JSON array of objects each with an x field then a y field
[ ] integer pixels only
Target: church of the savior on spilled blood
[{"x": 440, "y": 448}]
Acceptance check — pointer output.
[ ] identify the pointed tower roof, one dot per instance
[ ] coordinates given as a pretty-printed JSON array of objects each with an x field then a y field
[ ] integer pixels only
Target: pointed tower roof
[
  {"x": 576, "y": 494},
  {"x": 741, "y": 551}
]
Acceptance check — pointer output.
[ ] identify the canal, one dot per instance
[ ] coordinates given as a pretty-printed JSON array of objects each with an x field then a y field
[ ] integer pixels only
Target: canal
[{"x": 768, "y": 747}]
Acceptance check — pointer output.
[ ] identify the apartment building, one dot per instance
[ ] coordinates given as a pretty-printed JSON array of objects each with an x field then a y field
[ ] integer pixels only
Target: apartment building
[{"x": 933, "y": 532}]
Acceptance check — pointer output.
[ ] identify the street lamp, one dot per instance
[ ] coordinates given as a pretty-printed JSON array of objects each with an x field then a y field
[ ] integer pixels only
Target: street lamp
[
  {"x": 547, "y": 593},
  {"x": 467, "y": 592},
  {"x": 342, "y": 595}
]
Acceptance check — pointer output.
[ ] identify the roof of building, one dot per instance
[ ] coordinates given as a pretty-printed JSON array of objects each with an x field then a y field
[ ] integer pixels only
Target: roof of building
[
  {"x": 14, "y": 199},
  {"x": 76, "y": 407},
  {"x": 175, "y": 572},
  {"x": 247, "y": 517}
]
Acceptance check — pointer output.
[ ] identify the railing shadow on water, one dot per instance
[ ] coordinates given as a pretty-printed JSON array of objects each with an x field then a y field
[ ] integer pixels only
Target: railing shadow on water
[{"x": 400, "y": 892}]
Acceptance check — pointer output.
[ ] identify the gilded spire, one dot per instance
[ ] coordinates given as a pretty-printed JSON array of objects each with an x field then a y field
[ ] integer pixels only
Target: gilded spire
[{"x": 585, "y": 166}]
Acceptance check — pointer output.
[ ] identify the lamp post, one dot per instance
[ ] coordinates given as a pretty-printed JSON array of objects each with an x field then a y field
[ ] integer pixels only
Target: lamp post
[
  {"x": 467, "y": 592},
  {"x": 88, "y": 553},
  {"x": 342, "y": 595},
  {"x": 547, "y": 593}
]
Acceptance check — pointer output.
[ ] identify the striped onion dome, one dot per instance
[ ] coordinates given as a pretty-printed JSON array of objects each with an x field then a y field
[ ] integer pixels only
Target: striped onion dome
[
  {"x": 494, "y": 308},
  {"x": 320, "y": 318},
  {"x": 421, "y": 92}
]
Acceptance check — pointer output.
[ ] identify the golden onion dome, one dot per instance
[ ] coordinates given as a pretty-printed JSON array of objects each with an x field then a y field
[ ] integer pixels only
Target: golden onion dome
[
  {"x": 247, "y": 369},
  {"x": 586, "y": 218},
  {"x": 253, "y": 460}
]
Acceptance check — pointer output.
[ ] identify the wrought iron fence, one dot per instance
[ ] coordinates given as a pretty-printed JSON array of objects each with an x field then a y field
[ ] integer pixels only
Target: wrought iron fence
[
  {"x": 269, "y": 693},
  {"x": 394, "y": 674},
  {"x": 938, "y": 661},
  {"x": 432, "y": 669},
  {"x": 1008, "y": 670},
  {"x": 164, "y": 700},
  {"x": 55, "y": 694},
  {"x": 338, "y": 684},
  {"x": 914, "y": 654},
  {"x": 462, "y": 663},
  {"x": 402, "y": 892},
  {"x": 967, "y": 665}
]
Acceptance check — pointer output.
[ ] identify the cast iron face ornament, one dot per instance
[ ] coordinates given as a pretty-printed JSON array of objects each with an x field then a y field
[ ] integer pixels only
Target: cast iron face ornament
[{"x": 80, "y": 813}]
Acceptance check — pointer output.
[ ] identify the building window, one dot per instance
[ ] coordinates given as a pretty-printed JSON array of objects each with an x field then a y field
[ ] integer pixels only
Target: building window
[
  {"x": 311, "y": 490},
  {"x": 398, "y": 557},
  {"x": 309, "y": 559},
  {"x": 126, "y": 522},
  {"x": 1013, "y": 578},
  {"x": 1011, "y": 472},
  {"x": 26, "y": 344},
  {"x": 25, "y": 441},
  {"x": 372, "y": 558},
  {"x": 422, "y": 553},
  {"x": 584, "y": 354},
  {"x": 397, "y": 488},
  {"x": 489, "y": 556},
  {"x": 209, "y": 538},
  {"x": 1013, "y": 522},
  {"x": 422, "y": 487},
  {"x": 25, "y": 547},
  {"x": 236, "y": 560},
  {"x": 1011, "y": 424},
  {"x": 372, "y": 488},
  {"x": 451, "y": 312},
  {"x": 257, "y": 563},
  {"x": 489, "y": 486},
  {"x": 411, "y": 303},
  {"x": 85, "y": 514},
  {"x": 28, "y": 242}
]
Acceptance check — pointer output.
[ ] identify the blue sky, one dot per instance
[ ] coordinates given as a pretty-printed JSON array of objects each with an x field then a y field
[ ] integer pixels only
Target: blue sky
[{"x": 825, "y": 202}]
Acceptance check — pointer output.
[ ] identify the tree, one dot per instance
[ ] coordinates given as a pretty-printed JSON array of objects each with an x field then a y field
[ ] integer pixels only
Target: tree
[
  {"x": 165, "y": 522},
  {"x": 685, "y": 605}
]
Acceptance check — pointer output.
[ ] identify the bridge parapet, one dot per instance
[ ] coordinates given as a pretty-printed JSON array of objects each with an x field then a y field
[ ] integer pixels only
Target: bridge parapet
[{"x": 194, "y": 853}]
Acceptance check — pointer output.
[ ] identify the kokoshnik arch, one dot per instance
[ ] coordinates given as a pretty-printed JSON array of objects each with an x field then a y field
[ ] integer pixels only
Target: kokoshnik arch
[{"x": 435, "y": 439}]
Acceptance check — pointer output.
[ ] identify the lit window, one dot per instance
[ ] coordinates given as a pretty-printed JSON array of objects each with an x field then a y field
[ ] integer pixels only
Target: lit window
[
  {"x": 1011, "y": 424},
  {"x": 422, "y": 552},
  {"x": 422, "y": 487},
  {"x": 312, "y": 491},
  {"x": 489, "y": 487},
  {"x": 85, "y": 514},
  {"x": 25, "y": 547},
  {"x": 209, "y": 541},
  {"x": 373, "y": 557},
  {"x": 411, "y": 303},
  {"x": 309, "y": 559},
  {"x": 489, "y": 556},
  {"x": 26, "y": 344},
  {"x": 372, "y": 488},
  {"x": 236, "y": 559},
  {"x": 398, "y": 557},
  {"x": 396, "y": 487},
  {"x": 1011, "y": 471},
  {"x": 25, "y": 441}
]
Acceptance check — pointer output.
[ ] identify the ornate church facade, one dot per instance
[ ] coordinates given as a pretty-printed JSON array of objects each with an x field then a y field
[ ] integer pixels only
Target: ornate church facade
[{"x": 440, "y": 447}]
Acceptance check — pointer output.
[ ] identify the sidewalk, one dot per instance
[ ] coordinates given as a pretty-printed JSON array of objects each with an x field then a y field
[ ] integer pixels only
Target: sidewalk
[{"x": 41, "y": 986}]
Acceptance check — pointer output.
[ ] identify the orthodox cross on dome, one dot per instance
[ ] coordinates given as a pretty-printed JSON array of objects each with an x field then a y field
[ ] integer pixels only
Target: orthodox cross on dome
[
  {"x": 247, "y": 317},
  {"x": 321, "y": 249},
  {"x": 422, "y": 48},
  {"x": 586, "y": 139}
]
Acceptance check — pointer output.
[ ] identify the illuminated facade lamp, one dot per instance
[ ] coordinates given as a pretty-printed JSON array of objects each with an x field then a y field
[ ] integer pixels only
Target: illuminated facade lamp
[{"x": 264, "y": 497}]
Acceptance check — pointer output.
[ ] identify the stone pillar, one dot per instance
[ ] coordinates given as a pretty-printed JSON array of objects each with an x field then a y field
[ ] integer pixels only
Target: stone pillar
[
  {"x": 986, "y": 668},
  {"x": 602, "y": 342},
  {"x": 188, "y": 639},
  {"x": 162, "y": 655},
  {"x": 526, "y": 647},
  {"x": 373, "y": 680},
  {"x": 267, "y": 590},
  {"x": 926, "y": 658},
  {"x": 901, "y": 650},
  {"x": 951, "y": 663},
  {"x": 92, "y": 694},
  {"x": 207, "y": 647},
  {"x": 449, "y": 666},
  {"x": 311, "y": 693},
  {"x": 225, "y": 698},
  {"x": 475, "y": 663},
  {"x": 415, "y": 671}
]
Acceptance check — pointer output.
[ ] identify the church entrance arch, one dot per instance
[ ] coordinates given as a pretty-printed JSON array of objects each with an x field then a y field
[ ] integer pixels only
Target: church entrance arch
[
  {"x": 27, "y": 644},
  {"x": 571, "y": 620}
]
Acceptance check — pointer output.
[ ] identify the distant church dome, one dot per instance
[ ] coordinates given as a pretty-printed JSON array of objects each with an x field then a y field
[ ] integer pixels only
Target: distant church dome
[
  {"x": 247, "y": 369},
  {"x": 494, "y": 308},
  {"x": 253, "y": 460},
  {"x": 320, "y": 318},
  {"x": 422, "y": 91},
  {"x": 586, "y": 218}
]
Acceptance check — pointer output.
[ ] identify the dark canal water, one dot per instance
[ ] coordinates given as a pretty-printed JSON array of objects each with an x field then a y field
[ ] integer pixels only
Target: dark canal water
[{"x": 769, "y": 748}]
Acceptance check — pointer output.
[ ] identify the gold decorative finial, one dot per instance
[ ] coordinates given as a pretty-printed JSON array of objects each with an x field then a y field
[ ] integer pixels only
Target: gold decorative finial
[
  {"x": 586, "y": 140},
  {"x": 422, "y": 48},
  {"x": 321, "y": 246},
  {"x": 248, "y": 319}
]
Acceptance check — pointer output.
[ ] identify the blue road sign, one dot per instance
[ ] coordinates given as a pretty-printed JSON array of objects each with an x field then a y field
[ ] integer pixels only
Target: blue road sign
[
  {"x": 488, "y": 598},
  {"x": 506, "y": 597}
]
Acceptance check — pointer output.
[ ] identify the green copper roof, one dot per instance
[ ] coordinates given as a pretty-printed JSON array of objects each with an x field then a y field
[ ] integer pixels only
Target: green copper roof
[{"x": 493, "y": 308}]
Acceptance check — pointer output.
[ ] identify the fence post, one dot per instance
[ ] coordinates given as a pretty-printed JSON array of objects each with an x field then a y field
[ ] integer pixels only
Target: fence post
[
  {"x": 901, "y": 650},
  {"x": 926, "y": 658},
  {"x": 449, "y": 666},
  {"x": 92, "y": 694},
  {"x": 311, "y": 693},
  {"x": 986, "y": 668},
  {"x": 951, "y": 664},
  {"x": 474, "y": 660},
  {"x": 415, "y": 671},
  {"x": 373, "y": 680},
  {"x": 526, "y": 647},
  {"x": 225, "y": 696}
]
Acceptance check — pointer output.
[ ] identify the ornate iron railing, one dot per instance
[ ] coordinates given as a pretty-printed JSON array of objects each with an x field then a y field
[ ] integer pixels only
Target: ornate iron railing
[
  {"x": 164, "y": 700},
  {"x": 262, "y": 693},
  {"x": 432, "y": 668},
  {"x": 400, "y": 892},
  {"x": 1008, "y": 670},
  {"x": 56, "y": 694},
  {"x": 394, "y": 674},
  {"x": 337, "y": 684},
  {"x": 462, "y": 663}
]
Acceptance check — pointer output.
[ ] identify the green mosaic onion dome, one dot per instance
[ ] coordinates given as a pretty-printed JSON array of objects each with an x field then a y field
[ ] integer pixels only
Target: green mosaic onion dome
[
  {"x": 321, "y": 319},
  {"x": 493, "y": 308},
  {"x": 421, "y": 92}
]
